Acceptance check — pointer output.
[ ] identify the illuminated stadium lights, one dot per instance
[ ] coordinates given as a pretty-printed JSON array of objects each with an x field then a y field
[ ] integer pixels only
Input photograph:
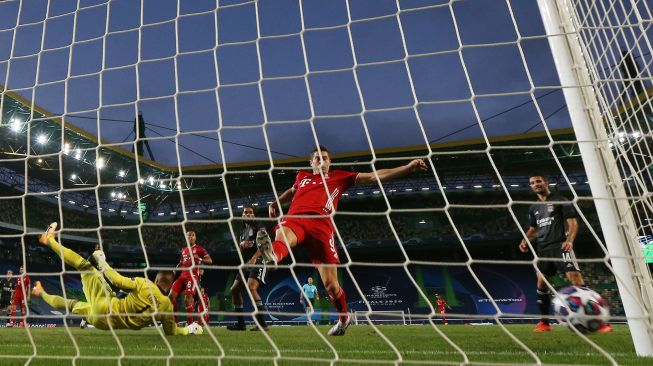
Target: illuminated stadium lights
[
  {"x": 514, "y": 185},
  {"x": 16, "y": 125},
  {"x": 225, "y": 208},
  {"x": 113, "y": 194},
  {"x": 254, "y": 204},
  {"x": 270, "y": 202},
  {"x": 78, "y": 154},
  {"x": 121, "y": 173},
  {"x": 460, "y": 187},
  {"x": 39, "y": 161},
  {"x": 392, "y": 191},
  {"x": 71, "y": 202},
  {"x": 240, "y": 206},
  {"x": 376, "y": 192},
  {"x": 66, "y": 148},
  {"x": 553, "y": 184},
  {"x": 496, "y": 185},
  {"x": 150, "y": 179},
  {"x": 360, "y": 193},
  {"x": 173, "y": 213},
  {"x": 210, "y": 210},
  {"x": 422, "y": 222},
  {"x": 636, "y": 134},
  {"x": 100, "y": 163},
  {"x": 425, "y": 188},
  {"x": 197, "y": 211},
  {"x": 163, "y": 185},
  {"x": 141, "y": 181},
  {"x": 573, "y": 183},
  {"x": 85, "y": 205},
  {"x": 408, "y": 189},
  {"x": 112, "y": 210},
  {"x": 41, "y": 139},
  {"x": 73, "y": 176},
  {"x": 123, "y": 211},
  {"x": 160, "y": 214},
  {"x": 478, "y": 186},
  {"x": 344, "y": 194}
]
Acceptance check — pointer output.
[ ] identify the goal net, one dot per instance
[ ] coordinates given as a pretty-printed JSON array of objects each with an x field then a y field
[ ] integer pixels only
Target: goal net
[{"x": 133, "y": 123}]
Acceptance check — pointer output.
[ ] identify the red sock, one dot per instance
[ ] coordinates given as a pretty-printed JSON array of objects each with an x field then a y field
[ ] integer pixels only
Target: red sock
[
  {"x": 280, "y": 250},
  {"x": 23, "y": 313},
  {"x": 340, "y": 302},
  {"x": 191, "y": 317},
  {"x": 12, "y": 315}
]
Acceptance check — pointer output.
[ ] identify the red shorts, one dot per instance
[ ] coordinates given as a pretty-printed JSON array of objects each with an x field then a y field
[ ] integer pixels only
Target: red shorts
[
  {"x": 185, "y": 282},
  {"x": 317, "y": 236},
  {"x": 18, "y": 300}
]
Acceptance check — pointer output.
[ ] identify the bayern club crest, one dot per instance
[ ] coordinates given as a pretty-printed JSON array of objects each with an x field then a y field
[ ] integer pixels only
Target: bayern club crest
[{"x": 550, "y": 207}]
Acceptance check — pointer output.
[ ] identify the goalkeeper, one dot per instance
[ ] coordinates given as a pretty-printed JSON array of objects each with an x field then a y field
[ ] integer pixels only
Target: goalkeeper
[{"x": 145, "y": 305}]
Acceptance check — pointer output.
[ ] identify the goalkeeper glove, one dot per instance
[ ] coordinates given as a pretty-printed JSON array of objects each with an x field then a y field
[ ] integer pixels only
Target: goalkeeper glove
[{"x": 195, "y": 329}]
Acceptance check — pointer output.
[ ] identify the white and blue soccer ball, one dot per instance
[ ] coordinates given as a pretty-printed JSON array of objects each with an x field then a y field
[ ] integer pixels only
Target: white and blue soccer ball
[{"x": 581, "y": 308}]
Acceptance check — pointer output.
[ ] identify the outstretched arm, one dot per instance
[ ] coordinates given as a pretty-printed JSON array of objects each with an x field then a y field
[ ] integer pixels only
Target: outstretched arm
[
  {"x": 286, "y": 196},
  {"x": 390, "y": 174}
]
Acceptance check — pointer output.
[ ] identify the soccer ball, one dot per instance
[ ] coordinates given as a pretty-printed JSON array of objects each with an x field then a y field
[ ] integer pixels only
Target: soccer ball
[{"x": 581, "y": 308}]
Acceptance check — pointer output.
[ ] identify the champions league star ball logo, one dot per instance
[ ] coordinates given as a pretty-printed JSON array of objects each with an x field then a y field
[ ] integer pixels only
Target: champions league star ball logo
[{"x": 378, "y": 291}]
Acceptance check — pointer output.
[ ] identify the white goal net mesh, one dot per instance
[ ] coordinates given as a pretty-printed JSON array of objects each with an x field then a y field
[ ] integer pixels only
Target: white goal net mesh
[{"x": 132, "y": 123}]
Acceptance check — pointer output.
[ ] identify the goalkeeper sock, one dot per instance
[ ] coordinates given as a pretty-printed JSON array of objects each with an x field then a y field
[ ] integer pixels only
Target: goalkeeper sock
[
  {"x": 259, "y": 316},
  {"x": 544, "y": 303},
  {"x": 239, "y": 318},
  {"x": 57, "y": 302},
  {"x": 340, "y": 303},
  {"x": 70, "y": 258},
  {"x": 191, "y": 317},
  {"x": 280, "y": 250}
]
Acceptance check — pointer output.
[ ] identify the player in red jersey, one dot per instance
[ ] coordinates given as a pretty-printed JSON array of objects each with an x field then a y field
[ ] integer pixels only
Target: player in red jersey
[
  {"x": 316, "y": 194},
  {"x": 191, "y": 255},
  {"x": 21, "y": 297},
  {"x": 442, "y": 305}
]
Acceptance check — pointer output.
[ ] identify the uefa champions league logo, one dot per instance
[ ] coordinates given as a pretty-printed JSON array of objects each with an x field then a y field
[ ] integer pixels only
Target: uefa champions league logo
[{"x": 378, "y": 291}]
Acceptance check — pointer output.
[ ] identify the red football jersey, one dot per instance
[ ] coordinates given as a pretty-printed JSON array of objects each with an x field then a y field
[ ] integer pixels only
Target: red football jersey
[
  {"x": 22, "y": 284},
  {"x": 440, "y": 304},
  {"x": 187, "y": 259},
  {"x": 310, "y": 195}
]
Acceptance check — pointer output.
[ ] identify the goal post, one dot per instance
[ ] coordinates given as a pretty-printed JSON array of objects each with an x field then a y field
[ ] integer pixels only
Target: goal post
[{"x": 613, "y": 207}]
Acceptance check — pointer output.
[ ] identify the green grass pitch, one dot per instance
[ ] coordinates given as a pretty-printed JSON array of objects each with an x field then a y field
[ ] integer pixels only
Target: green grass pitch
[{"x": 301, "y": 345}]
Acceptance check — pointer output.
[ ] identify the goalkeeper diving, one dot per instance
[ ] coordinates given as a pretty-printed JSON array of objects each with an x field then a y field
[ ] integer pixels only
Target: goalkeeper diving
[{"x": 144, "y": 305}]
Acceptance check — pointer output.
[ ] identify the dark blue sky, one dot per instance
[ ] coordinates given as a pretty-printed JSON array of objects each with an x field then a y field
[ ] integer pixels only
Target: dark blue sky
[{"x": 175, "y": 81}]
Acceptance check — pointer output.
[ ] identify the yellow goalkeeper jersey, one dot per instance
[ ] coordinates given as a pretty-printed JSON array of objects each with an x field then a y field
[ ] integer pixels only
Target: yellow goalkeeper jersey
[{"x": 144, "y": 305}]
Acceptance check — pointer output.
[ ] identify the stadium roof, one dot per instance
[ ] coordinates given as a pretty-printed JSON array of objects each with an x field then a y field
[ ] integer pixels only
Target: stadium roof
[{"x": 83, "y": 152}]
